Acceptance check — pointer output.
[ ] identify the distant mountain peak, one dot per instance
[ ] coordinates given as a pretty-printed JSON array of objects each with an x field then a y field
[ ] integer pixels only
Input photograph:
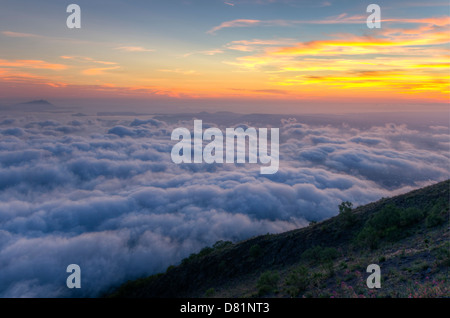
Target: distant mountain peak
[{"x": 38, "y": 102}]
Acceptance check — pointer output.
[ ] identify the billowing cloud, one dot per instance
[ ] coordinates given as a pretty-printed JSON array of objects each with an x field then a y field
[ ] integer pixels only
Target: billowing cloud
[{"x": 104, "y": 193}]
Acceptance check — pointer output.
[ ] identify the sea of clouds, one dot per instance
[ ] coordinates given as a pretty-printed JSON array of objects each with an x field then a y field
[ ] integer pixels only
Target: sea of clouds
[{"x": 103, "y": 193}]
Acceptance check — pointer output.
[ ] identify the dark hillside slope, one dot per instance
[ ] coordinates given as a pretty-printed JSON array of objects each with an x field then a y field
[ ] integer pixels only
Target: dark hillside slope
[{"x": 407, "y": 235}]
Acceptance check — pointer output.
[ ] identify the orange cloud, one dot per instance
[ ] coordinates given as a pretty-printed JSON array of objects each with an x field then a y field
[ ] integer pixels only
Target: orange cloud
[
  {"x": 357, "y": 45},
  {"x": 37, "y": 64},
  {"x": 439, "y": 21},
  {"x": 241, "y": 23},
  {"x": 256, "y": 44},
  {"x": 205, "y": 52},
  {"x": 389, "y": 60},
  {"x": 234, "y": 24},
  {"x": 134, "y": 49},
  {"x": 340, "y": 19},
  {"x": 410, "y": 61},
  {"x": 179, "y": 71},
  {"x": 56, "y": 85},
  {"x": 98, "y": 71},
  {"x": 19, "y": 35},
  {"x": 86, "y": 60}
]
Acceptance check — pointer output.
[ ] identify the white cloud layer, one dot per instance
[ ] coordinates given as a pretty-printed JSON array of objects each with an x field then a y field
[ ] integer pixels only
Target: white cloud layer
[{"x": 103, "y": 193}]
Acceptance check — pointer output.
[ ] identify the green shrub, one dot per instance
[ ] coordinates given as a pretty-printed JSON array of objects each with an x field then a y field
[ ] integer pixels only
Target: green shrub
[
  {"x": 434, "y": 219},
  {"x": 222, "y": 266},
  {"x": 328, "y": 254},
  {"x": 267, "y": 283},
  {"x": 389, "y": 223},
  {"x": 210, "y": 292},
  {"x": 393, "y": 233},
  {"x": 222, "y": 244},
  {"x": 388, "y": 217},
  {"x": 170, "y": 268},
  {"x": 205, "y": 251},
  {"x": 345, "y": 211},
  {"x": 410, "y": 216},
  {"x": 345, "y": 207},
  {"x": 312, "y": 254},
  {"x": 437, "y": 214},
  {"x": 443, "y": 252},
  {"x": 368, "y": 237},
  {"x": 328, "y": 267},
  {"x": 188, "y": 259},
  {"x": 298, "y": 281},
  {"x": 320, "y": 254},
  {"x": 255, "y": 251}
]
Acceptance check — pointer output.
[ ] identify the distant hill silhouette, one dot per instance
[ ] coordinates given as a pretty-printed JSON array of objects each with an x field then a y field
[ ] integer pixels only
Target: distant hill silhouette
[
  {"x": 34, "y": 105},
  {"x": 406, "y": 235},
  {"x": 38, "y": 102}
]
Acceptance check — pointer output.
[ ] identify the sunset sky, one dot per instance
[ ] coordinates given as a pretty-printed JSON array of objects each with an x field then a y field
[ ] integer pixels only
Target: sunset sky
[
  {"x": 88, "y": 178},
  {"x": 315, "y": 51}
]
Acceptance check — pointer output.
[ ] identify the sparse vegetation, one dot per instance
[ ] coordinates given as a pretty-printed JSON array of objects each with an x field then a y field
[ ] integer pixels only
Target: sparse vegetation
[
  {"x": 406, "y": 235},
  {"x": 427, "y": 289},
  {"x": 443, "y": 255}
]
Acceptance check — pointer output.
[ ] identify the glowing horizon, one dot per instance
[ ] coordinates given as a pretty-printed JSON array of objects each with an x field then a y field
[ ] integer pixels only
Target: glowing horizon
[{"x": 281, "y": 50}]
